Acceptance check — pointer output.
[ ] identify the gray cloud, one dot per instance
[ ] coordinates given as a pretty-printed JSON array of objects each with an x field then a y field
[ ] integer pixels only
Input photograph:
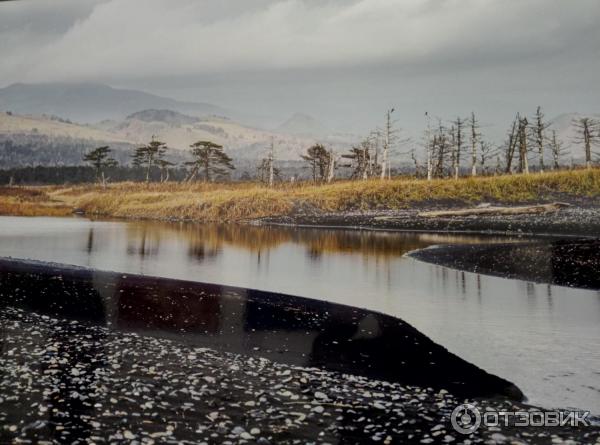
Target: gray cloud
[{"x": 296, "y": 54}]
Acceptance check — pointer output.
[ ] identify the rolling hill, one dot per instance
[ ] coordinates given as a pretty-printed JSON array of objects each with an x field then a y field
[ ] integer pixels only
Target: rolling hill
[
  {"x": 53, "y": 127},
  {"x": 90, "y": 102},
  {"x": 303, "y": 125},
  {"x": 51, "y": 140}
]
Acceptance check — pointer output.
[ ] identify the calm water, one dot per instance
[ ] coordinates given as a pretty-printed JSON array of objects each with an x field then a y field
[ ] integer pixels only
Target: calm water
[{"x": 546, "y": 339}]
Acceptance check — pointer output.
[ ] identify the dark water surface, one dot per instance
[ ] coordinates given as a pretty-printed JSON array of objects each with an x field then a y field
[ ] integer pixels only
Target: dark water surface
[
  {"x": 545, "y": 339},
  {"x": 287, "y": 329}
]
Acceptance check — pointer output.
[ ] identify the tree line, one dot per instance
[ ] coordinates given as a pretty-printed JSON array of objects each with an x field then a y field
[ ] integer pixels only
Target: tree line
[
  {"x": 450, "y": 150},
  {"x": 458, "y": 148},
  {"x": 209, "y": 160},
  {"x": 453, "y": 149}
]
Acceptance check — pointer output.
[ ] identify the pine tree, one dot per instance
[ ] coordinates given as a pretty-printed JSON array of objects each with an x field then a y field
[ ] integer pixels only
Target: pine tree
[
  {"x": 318, "y": 160},
  {"x": 210, "y": 159},
  {"x": 360, "y": 158},
  {"x": 164, "y": 167},
  {"x": 99, "y": 159},
  {"x": 148, "y": 155}
]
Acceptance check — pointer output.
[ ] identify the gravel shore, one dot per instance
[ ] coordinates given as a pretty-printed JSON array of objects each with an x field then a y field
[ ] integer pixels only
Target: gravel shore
[
  {"x": 580, "y": 219},
  {"x": 63, "y": 381}
]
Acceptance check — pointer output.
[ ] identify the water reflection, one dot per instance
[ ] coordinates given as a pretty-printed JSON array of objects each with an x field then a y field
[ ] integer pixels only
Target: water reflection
[
  {"x": 547, "y": 346},
  {"x": 283, "y": 328}
]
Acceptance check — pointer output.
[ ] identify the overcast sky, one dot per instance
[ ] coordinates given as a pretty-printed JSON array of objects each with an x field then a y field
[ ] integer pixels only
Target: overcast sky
[{"x": 342, "y": 61}]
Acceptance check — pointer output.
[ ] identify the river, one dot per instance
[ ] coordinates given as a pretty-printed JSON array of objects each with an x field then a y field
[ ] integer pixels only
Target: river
[{"x": 543, "y": 338}]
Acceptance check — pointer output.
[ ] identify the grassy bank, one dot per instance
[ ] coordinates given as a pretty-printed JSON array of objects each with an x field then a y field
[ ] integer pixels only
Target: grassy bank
[
  {"x": 235, "y": 201},
  {"x": 18, "y": 201}
]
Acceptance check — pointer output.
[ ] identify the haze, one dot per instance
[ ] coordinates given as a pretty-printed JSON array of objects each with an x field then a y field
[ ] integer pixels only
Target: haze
[{"x": 343, "y": 62}]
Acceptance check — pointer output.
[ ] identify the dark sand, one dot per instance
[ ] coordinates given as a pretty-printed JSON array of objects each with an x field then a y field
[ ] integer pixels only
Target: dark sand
[{"x": 89, "y": 356}]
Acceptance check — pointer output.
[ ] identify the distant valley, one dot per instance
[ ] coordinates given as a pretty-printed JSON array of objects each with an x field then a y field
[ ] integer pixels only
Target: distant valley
[
  {"x": 54, "y": 124},
  {"x": 46, "y": 124}
]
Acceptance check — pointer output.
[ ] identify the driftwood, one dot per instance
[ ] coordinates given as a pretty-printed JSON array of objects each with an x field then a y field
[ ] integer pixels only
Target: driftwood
[{"x": 490, "y": 210}]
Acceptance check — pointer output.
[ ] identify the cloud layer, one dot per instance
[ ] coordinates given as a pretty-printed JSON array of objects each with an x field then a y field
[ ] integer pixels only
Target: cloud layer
[
  {"x": 90, "y": 40},
  {"x": 344, "y": 61}
]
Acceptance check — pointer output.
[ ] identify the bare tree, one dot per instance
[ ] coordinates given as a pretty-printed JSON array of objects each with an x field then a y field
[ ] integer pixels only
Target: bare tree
[
  {"x": 511, "y": 144},
  {"x": 458, "y": 145},
  {"x": 475, "y": 135},
  {"x": 429, "y": 147},
  {"x": 441, "y": 150},
  {"x": 539, "y": 128},
  {"x": 374, "y": 143},
  {"x": 587, "y": 134},
  {"x": 271, "y": 164},
  {"x": 164, "y": 167},
  {"x": 331, "y": 166},
  {"x": 387, "y": 142},
  {"x": 557, "y": 149},
  {"x": 264, "y": 171},
  {"x": 523, "y": 148},
  {"x": 360, "y": 157},
  {"x": 415, "y": 160},
  {"x": 486, "y": 152}
]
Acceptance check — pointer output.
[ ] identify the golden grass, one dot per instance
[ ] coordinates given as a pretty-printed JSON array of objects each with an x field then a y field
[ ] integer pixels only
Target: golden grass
[
  {"x": 17, "y": 201},
  {"x": 240, "y": 201}
]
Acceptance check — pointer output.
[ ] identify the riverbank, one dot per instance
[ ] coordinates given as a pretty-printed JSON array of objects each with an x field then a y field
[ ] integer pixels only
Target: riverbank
[
  {"x": 564, "y": 262},
  {"x": 68, "y": 378},
  {"x": 581, "y": 219},
  {"x": 343, "y": 203}
]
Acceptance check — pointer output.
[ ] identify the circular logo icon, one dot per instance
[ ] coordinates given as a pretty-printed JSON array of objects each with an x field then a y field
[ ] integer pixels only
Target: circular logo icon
[{"x": 465, "y": 418}]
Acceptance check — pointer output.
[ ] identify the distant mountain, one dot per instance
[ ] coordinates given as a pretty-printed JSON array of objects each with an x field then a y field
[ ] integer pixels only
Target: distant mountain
[
  {"x": 563, "y": 123},
  {"x": 90, "y": 102},
  {"x": 166, "y": 116},
  {"x": 49, "y": 140},
  {"x": 180, "y": 131},
  {"x": 52, "y": 140},
  {"x": 53, "y": 127},
  {"x": 303, "y": 125}
]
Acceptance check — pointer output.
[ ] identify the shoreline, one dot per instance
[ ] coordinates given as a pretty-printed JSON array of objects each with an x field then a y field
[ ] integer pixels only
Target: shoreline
[
  {"x": 576, "y": 221},
  {"x": 288, "y": 328},
  {"x": 202, "y": 391}
]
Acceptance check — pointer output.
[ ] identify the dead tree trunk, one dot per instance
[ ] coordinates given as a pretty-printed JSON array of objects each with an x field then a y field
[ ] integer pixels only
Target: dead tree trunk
[
  {"x": 385, "y": 168},
  {"x": 540, "y": 126},
  {"x": 429, "y": 147},
  {"x": 331, "y": 167},
  {"x": 588, "y": 130},
  {"x": 511, "y": 145},
  {"x": 459, "y": 123},
  {"x": 474, "y": 140},
  {"x": 523, "y": 161},
  {"x": 557, "y": 150},
  {"x": 271, "y": 166}
]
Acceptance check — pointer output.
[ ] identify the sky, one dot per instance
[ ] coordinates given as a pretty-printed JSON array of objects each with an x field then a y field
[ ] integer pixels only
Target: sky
[{"x": 345, "y": 62}]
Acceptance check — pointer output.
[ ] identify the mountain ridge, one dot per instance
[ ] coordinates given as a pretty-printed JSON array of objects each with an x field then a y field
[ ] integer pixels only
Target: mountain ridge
[{"x": 92, "y": 102}]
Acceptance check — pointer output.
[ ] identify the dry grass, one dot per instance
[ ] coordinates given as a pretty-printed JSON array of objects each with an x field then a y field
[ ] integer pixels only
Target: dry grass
[
  {"x": 18, "y": 201},
  {"x": 239, "y": 201}
]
